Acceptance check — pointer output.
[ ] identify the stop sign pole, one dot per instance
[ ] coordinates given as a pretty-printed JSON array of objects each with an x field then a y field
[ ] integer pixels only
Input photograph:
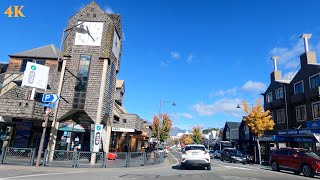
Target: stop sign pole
[{"x": 44, "y": 125}]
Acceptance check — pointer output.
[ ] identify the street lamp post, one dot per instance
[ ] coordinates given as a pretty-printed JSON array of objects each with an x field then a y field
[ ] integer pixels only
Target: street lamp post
[
  {"x": 238, "y": 107},
  {"x": 160, "y": 106},
  {"x": 77, "y": 29}
]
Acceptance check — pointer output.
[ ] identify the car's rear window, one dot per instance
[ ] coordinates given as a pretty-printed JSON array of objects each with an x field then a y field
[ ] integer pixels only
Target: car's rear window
[{"x": 187, "y": 148}]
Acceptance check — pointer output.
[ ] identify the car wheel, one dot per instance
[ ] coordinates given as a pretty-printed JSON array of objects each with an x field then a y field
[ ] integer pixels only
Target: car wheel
[
  {"x": 221, "y": 159},
  {"x": 307, "y": 171},
  {"x": 209, "y": 167},
  {"x": 230, "y": 160},
  {"x": 296, "y": 172},
  {"x": 274, "y": 166}
]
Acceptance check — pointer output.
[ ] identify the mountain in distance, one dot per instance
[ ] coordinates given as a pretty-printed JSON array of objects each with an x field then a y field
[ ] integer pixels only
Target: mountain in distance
[{"x": 175, "y": 130}]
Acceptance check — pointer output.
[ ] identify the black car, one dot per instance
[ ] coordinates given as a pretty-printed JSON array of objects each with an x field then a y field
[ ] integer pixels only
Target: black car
[{"x": 233, "y": 156}]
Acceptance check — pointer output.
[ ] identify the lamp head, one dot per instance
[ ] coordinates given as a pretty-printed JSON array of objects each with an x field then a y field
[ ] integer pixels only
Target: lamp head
[
  {"x": 238, "y": 106},
  {"x": 174, "y": 104},
  {"x": 80, "y": 29}
]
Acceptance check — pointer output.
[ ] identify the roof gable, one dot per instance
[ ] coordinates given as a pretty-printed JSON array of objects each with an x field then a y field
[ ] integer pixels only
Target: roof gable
[{"x": 47, "y": 52}]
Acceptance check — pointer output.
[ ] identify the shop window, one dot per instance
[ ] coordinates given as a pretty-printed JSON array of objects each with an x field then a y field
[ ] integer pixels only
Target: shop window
[
  {"x": 316, "y": 110},
  {"x": 40, "y": 61},
  {"x": 301, "y": 113}
]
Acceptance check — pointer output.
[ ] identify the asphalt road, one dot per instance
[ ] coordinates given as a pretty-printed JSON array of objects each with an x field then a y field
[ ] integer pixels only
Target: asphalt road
[{"x": 168, "y": 170}]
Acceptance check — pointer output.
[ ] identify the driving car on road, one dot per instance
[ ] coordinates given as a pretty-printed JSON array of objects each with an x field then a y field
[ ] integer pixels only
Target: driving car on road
[
  {"x": 195, "y": 155},
  {"x": 233, "y": 156},
  {"x": 296, "y": 160}
]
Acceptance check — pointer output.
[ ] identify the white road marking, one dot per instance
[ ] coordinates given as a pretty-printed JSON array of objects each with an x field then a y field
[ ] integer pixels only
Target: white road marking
[
  {"x": 234, "y": 167},
  {"x": 37, "y": 175},
  {"x": 175, "y": 159}
]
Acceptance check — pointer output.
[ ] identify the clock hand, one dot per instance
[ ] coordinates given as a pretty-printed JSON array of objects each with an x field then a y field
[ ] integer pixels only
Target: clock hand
[{"x": 90, "y": 34}]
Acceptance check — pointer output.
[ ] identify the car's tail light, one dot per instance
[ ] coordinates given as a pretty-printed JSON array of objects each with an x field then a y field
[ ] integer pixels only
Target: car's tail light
[{"x": 205, "y": 152}]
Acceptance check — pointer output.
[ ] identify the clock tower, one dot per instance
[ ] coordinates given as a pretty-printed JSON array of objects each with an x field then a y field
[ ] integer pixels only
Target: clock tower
[{"x": 91, "y": 61}]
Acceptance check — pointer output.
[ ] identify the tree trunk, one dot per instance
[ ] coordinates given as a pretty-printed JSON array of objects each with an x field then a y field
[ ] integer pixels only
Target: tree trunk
[{"x": 259, "y": 150}]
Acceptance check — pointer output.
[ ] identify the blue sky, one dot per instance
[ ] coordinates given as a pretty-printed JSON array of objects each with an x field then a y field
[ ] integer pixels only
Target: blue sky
[{"x": 207, "y": 55}]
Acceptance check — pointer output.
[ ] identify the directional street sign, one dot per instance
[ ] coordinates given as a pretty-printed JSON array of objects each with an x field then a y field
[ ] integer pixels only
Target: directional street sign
[
  {"x": 48, "y": 105},
  {"x": 50, "y": 98}
]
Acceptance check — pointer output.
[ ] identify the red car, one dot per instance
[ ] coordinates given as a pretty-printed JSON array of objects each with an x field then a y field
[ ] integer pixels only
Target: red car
[{"x": 296, "y": 160}]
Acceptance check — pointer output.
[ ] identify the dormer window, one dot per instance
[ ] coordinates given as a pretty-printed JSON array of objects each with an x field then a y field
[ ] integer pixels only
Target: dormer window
[
  {"x": 314, "y": 81},
  {"x": 269, "y": 97},
  {"x": 279, "y": 93},
  {"x": 298, "y": 88}
]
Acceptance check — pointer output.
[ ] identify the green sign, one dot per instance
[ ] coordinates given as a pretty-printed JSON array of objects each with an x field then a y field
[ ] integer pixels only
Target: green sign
[{"x": 33, "y": 67}]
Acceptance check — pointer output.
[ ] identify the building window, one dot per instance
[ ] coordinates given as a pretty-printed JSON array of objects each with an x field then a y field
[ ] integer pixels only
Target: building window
[
  {"x": 316, "y": 110},
  {"x": 40, "y": 61},
  {"x": 269, "y": 97},
  {"x": 301, "y": 113},
  {"x": 298, "y": 88},
  {"x": 280, "y": 116},
  {"x": 124, "y": 120},
  {"x": 272, "y": 115},
  {"x": 24, "y": 64},
  {"x": 314, "y": 81},
  {"x": 82, "y": 82},
  {"x": 279, "y": 93}
]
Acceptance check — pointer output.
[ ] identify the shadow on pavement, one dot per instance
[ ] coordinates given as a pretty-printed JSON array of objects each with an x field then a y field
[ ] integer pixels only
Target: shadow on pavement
[
  {"x": 178, "y": 167},
  {"x": 291, "y": 173}
]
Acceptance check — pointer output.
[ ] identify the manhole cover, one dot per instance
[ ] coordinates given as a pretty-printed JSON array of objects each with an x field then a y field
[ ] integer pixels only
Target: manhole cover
[{"x": 139, "y": 176}]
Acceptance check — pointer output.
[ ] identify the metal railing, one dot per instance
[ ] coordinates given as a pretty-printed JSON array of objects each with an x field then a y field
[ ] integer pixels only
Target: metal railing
[
  {"x": 18, "y": 156},
  {"x": 74, "y": 159}
]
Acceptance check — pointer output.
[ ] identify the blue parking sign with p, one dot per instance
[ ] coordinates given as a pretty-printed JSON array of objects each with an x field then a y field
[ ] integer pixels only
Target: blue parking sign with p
[{"x": 50, "y": 98}]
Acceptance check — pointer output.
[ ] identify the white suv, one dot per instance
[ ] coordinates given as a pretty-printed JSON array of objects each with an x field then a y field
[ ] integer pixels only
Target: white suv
[{"x": 195, "y": 155}]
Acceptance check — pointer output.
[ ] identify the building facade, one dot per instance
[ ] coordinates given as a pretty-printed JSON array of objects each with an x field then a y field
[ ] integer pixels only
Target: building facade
[{"x": 295, "y": 104}]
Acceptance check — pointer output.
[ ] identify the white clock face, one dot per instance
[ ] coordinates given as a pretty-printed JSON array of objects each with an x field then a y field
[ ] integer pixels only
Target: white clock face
[
  {"x": 92, "y": 37},
  {"x": 116, "y": 44}
]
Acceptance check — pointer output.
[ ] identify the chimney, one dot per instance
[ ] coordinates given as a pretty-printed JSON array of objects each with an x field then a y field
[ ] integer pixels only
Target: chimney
[
  {"x": 275, "y": 75},
  {"x": 307, "y": 57},
  {"x": 275, "y": 58}
]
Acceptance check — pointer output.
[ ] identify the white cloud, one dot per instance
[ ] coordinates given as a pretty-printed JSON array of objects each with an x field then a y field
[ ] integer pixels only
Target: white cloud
[
  {"x": 288, "y": 57},
  {"x": 183, "y": 115},
  {"x": 254, "y": 86},
  {"x": 108, "y": 10},
  {"x": 225, "y": 106},
  {"x": 233, "y": 91},
  {"x": 164, "y": 63},
  {"x": 190, "y": 58},
  {"x": 175, "y": 55}
]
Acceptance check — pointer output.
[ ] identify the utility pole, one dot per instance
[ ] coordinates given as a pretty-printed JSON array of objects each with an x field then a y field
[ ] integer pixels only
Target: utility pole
[{"x": 44, "y": 125}]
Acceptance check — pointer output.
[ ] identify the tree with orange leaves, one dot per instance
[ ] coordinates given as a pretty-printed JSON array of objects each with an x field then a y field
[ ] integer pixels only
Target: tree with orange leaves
[
  {"x": 164, "y": 127},
  {"x": 186, "y": 139},
  {"x": 258, "y": 121}
]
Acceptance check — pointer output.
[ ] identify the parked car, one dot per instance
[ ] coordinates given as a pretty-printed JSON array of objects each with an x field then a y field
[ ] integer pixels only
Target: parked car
[
  {"x": 296, "y": 160},
  {"x": 247, "y": 156},
  {"x": 211, "y": 153},
  {"x": 233, "y": 156},
  {"x": 217, "y": 154},
  {"x": 195, "y": 155}
]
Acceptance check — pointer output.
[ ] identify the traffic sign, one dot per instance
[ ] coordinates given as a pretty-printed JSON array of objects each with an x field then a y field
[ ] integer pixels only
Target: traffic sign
[
  {"x": 48, "y": 105},
  {"x": 50, "y": 98}
]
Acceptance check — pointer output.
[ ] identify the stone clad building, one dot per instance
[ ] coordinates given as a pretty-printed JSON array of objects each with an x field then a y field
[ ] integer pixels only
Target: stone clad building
[
  {"x": 84, "y": 75},
  {"x": 17, "y": 111}
]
